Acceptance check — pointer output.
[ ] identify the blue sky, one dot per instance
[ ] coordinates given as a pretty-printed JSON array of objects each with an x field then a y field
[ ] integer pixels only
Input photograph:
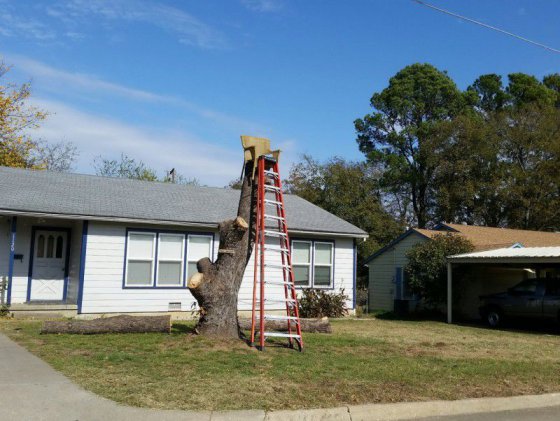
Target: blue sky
[{"x": 175, "y": 83}]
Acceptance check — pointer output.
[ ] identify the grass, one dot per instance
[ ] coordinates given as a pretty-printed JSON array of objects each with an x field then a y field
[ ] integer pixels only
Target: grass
[{"x": 363, "y": 361}]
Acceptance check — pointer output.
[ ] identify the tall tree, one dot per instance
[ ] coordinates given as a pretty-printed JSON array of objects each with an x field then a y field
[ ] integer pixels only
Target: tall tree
[
  {"x": 406, "y": 131},
  {"x": 349, "y": 190}
]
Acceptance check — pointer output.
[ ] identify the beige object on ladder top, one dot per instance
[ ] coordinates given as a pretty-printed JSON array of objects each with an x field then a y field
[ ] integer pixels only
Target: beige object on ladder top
[{"x": 255, "y": 147}]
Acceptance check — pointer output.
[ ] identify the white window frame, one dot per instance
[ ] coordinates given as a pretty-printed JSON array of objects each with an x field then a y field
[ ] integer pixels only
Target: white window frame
[
  {"x": 189, "y": 260},
  {"x": 182, "y": 261},
  {"x": 309, "y": 264},
  {"x": 331, "y": 265},
  {"x": 128, "y": 259}
]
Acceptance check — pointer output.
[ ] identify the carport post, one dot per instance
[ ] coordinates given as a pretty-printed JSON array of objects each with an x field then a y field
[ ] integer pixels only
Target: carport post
[{"x": 449, "y": 292}]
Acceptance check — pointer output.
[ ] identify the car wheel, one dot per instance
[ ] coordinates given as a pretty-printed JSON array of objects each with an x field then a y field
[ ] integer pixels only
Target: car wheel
[{"x": 493, "y": 317}]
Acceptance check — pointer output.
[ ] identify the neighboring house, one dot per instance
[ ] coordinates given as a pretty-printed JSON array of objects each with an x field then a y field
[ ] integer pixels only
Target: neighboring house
[
  {"x": 388, "y": 283},
  {"x": 96, "y": 245}
]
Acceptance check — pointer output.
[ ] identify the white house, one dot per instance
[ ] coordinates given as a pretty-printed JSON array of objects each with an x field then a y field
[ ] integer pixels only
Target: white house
[{"x": 95, "y": 245}]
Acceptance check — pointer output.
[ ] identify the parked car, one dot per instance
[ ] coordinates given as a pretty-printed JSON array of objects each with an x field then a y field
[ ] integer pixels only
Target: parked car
[{"x": 537, "y": 298}]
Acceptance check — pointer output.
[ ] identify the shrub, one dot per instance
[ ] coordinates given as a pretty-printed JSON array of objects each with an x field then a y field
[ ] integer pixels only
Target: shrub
[
  {"x": 427, "y": 266},
  {"x": 319, "y": 303}
]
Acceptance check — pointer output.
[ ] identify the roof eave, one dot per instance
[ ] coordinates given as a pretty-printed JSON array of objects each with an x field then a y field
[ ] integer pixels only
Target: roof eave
[{"x": 79, "y": 217}]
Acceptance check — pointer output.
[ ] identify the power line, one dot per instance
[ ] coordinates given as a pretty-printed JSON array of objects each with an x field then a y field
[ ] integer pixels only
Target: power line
[{"x": 447, "y": 12}]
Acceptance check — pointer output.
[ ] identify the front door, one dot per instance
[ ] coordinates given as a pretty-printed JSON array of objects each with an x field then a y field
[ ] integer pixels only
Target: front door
[{"x": 49, "y": 265}]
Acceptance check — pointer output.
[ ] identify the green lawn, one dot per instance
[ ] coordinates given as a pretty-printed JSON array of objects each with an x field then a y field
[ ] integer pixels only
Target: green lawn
[{"x": 363, "y": 361}]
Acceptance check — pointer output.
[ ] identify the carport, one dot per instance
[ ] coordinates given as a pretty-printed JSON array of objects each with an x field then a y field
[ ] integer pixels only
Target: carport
[{"x": 539, "y": 261}]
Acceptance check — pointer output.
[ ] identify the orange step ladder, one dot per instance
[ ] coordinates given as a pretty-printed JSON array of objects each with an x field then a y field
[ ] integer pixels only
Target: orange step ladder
[{"x": 272, "y": 239}]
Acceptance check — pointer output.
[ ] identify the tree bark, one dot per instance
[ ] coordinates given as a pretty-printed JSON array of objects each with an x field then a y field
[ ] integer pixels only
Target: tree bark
[
  {"x": 216, "y": 285},
  {"x": 116, "y": 324},
  {"x": 307, "y": 325}
]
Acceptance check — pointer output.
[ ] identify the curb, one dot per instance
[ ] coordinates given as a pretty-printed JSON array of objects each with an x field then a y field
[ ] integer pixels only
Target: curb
[{"x": 415, "y": 410}]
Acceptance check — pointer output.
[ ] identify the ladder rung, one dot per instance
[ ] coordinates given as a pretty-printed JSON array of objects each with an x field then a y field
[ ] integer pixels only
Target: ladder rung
[
  {"x": 274, "y": 233},
  {"x": 280, "y": 250},
  {"x": 272, "y": 202},
  {"x": 281, "y": 335},
  {"x": 280, "y": 283},
  {"x": 271, "y": 317},
  {"x": 276, "y": 218},
  {"x": 272, "y": 173},
  {"x": 274, "y": 266},
  {"x": 271, "y": 188},
  {"x": 282, "y": 301}
]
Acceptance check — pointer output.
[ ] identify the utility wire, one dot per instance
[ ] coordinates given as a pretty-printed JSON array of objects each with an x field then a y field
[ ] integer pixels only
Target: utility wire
[{"x": 447, "y": 12}]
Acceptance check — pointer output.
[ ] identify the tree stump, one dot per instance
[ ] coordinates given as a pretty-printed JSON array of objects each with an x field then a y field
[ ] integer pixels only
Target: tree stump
[{"x": 216, "y": 285}]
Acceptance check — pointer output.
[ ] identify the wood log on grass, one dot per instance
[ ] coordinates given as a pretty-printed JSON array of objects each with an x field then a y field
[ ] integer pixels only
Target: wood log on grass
[
  {"x": 115, "y": 324},
  {"x": 307, "y": 325}
]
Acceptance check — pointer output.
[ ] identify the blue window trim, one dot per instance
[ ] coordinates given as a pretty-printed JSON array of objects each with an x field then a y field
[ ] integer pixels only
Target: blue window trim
[
  {"x": 83, "y": 250},
  {"x": 13, "y": 230},
  {"x": 312, "y": 267},
  {"x": 34, "y": 230},
  {"x": 354, "y": 271},
  {"x": 157, "y": 232}
]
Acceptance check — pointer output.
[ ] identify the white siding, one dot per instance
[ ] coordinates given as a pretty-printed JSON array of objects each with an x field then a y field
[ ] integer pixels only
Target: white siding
[
  {"x": 103, "y": 280},
  {"x": 382, "y": 273}
]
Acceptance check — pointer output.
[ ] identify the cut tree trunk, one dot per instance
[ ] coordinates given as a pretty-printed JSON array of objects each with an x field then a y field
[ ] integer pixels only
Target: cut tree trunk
[
  {"x": 307, "y": 325},
  {"x": 216, "y": 285},
  {"x": 115, "y": 324}
]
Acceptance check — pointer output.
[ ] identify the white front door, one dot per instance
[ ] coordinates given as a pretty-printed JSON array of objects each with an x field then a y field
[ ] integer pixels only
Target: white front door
[{"x": 49, "y": 266}]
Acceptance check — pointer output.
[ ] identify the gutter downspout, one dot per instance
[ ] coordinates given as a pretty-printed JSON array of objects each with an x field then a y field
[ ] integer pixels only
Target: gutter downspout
[{"x": 449, "y": 292}]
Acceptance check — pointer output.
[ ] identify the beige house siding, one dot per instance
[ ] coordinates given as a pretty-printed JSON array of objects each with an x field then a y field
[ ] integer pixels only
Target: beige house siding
[{"x": 382, "y": 272}]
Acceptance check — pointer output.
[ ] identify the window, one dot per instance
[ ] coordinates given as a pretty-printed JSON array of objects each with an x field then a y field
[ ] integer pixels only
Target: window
[
  {"x": 528, "y": 287},
  {"x": 140, "y": 259},
  {"x": 199, "y": 246},
  {"x": 301, "y": 263},
  {"x": 170, "y": 259},
  {"x": 322, "y": 264},
  {"x": 41, "y": 246},
  {"x": 59, "y": 247},
  {"x": 312, "y": 262},
  {"x": 50, "y": 247},
  {"x": 552, "y": 287}
]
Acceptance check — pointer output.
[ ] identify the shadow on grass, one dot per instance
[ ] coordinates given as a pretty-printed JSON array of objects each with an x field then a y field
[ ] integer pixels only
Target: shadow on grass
[{"x": 182, "y": 328}]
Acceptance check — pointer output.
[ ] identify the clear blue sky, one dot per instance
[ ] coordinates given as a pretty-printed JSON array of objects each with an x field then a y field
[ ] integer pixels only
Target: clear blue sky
[{"x": 175, "y": 83}]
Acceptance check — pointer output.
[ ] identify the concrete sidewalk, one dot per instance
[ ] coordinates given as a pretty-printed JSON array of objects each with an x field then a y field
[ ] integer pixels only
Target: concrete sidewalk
[{"x": 32, "y": 390}]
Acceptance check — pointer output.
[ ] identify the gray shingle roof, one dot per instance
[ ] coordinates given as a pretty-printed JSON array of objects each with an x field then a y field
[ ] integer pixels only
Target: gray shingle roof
[{"x": 102, "y": 197}]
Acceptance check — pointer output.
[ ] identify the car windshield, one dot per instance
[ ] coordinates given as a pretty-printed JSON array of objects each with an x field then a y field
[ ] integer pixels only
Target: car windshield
[{"x": 528, "y": 287}]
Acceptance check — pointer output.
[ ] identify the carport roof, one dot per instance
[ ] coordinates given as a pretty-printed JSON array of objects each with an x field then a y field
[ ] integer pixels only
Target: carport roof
[{"x": 510, "y": 255}]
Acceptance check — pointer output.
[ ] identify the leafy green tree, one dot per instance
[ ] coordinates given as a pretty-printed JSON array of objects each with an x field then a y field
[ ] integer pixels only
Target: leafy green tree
[
  {"x": 427, "y": 266},
  {"x": 349, "y": 190},
  {"x": 408, "y": 127}
]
